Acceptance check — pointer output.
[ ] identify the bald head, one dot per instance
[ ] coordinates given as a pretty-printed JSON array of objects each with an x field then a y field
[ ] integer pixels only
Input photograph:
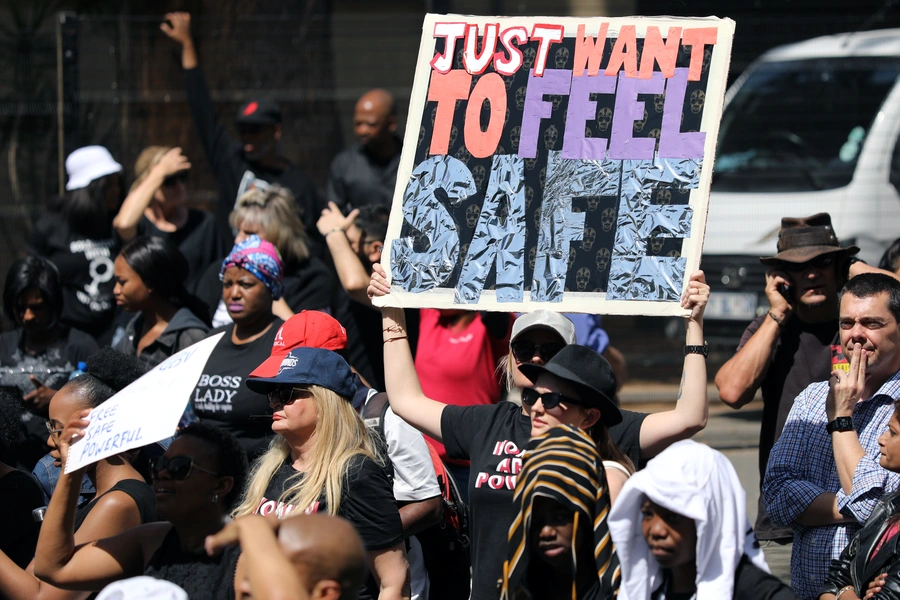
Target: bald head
[
  {"x": 375, "y": 119},
  {"x": 326, "y": 548}
]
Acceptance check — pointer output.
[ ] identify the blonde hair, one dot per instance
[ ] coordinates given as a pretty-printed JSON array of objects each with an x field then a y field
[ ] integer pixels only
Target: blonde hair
[
  {"x": 340, "y": 435},
  {"x": 146, "y": 160},
  {"x": 274, "y": 212}
]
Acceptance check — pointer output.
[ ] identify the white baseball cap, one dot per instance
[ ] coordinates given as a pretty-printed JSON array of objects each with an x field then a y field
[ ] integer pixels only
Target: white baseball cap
[
  {"x": 544, "y": 319},
  {"x": 88, "y": 164}
]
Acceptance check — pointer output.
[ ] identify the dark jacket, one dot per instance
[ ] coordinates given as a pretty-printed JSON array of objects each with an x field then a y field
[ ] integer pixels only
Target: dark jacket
[
  {"x": 185, "y": 329},
  {"x": 854, "y": 568}
]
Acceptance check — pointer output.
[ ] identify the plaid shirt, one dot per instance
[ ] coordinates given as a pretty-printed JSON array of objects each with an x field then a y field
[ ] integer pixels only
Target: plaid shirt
[{"x": 801, "y": 467}]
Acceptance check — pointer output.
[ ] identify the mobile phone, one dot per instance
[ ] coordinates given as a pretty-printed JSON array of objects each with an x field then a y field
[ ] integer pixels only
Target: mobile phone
[{"x": 785, "y": 290}]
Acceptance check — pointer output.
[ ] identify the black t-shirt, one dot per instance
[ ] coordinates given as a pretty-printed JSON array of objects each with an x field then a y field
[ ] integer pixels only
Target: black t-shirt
[
  {"x": 200, "y": 575},
  {"x": 234, "y": 173},
  {"x": 802, "y": 356},
  {"x": 222, "y": 398},
  {"x": 627, "y": 435},
  {"x": 19, "y": 495},
  {"x": 52, "y": 367},
  {"x": 493, "y": 437},
  {"x": 198, "y": 240},
  {"x": 367, "y": 501},
  {"x": 358, "y": 179},
  {"x": 85, "y": 273}
]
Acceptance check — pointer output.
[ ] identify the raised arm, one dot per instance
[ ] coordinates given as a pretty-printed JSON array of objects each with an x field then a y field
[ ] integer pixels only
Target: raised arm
[
  {"x": 863, "y": 480},
  {"x": 740, "y": 377},
  {"x": 126, "y": 222},
  {"x": 218, "y": 144},
  {"x": 333, "y": 225},
  {"x": 402, "y": 383},
  {"x": 661, "y": 430},
  {"x": 72, "y": 559}
]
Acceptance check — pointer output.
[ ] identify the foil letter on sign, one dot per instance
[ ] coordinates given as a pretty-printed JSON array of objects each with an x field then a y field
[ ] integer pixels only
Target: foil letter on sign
[
  {"x": 559, "y": 226},
  {"x": 435, "y": 178},
  {"x": 632, "y": 274},
  {"x": 500, "y": 235}
]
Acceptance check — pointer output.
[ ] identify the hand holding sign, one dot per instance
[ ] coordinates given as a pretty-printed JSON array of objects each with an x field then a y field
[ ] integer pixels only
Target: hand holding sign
[{"x": 74, "y": 431}]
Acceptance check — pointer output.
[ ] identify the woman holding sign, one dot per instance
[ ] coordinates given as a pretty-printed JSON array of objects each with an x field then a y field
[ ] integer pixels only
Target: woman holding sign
[
  {"x": 123, "y": 499},
  {"x": 196, "y": 483},
  {"x": 573, "y": 387}
]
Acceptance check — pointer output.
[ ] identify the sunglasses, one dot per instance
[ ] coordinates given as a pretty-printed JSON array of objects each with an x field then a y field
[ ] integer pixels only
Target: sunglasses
[
  {"x": 175, "y": 179},
  {"x": 523, "y": 351},
  {"x": 179, "y": 467},
  {"x": 286, "y": 395},
  {"x": 820, "y": 262},
  {"x": 549, "y": 400}
]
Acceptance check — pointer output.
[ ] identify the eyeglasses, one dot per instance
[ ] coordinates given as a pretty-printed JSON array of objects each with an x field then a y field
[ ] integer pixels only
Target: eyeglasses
[
  {"x": 523, "y": 350},
  {"x": 549, "y": 400},
  {"x": 175, "y": 179},
  {"x": 53, "y": 430},
  {"x": 820, "y": 262},
  {"x": 179, "y": 467},
  {"x": 287, "y": 395}
]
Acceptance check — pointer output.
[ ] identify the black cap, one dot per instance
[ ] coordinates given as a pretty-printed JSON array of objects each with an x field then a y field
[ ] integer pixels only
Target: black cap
[
  {"x": 589, "y": 373},
  {"x": 258, "y": 112}
]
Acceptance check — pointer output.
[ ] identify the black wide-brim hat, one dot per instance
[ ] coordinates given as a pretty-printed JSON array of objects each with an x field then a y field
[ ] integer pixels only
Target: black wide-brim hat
[
  {"x": 586, "y": 371},
  {"x": 801, "y": 240}
]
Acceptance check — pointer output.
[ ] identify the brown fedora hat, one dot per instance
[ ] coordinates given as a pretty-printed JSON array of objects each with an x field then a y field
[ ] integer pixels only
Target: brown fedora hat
[{"x": 801, "y": 240}]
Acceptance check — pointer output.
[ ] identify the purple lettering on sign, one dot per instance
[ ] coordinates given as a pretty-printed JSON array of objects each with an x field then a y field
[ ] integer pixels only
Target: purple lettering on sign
[
  {"x": 554, "y": 81},
  {"x": 672, "y": 142},
  {"x": 622, "y": 145},
  {"x": 581, "y": 109}
]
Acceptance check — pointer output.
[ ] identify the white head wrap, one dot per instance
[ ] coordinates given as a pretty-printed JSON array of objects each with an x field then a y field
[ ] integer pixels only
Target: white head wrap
[{"x": 698, "y": 482}]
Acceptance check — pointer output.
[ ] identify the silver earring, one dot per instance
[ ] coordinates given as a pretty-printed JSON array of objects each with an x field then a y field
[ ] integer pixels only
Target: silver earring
[{"x": 215, "y": 498}]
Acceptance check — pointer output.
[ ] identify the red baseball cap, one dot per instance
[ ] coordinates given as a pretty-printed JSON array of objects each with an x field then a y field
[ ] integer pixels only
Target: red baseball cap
[{"x": 310, "y": 329}]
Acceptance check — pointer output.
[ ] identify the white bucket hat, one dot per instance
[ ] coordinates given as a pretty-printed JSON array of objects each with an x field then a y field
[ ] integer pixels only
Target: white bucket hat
[{"x": 88, "y": 164}]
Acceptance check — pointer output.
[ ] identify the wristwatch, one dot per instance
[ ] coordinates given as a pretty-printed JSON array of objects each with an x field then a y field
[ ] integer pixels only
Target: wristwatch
[
  {"x": 704, "y": 350},
  {"x": 840, "y": 424}
]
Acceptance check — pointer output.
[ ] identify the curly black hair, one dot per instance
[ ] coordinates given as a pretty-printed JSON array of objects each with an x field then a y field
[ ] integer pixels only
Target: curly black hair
[
  {"x": 108, "y": 372},
  {"x": 10, "y": 422},
  {"x": 232, "y": 460}
]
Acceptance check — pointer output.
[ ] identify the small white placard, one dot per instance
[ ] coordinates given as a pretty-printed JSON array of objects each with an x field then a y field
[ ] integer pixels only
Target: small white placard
[{"x": 146, "y": 411}]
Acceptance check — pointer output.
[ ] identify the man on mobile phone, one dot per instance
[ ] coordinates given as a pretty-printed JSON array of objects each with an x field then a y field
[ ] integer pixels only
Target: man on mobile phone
[{"x": 791, "y": 346}]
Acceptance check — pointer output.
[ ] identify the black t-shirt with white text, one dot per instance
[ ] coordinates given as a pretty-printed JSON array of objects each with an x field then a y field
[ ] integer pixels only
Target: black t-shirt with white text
[
  {"x": 493, "y": 437},
  {"x": 367, "y": 501},
  {"x": 222, "y": 398},
  {"x": 85, "y": 272}
]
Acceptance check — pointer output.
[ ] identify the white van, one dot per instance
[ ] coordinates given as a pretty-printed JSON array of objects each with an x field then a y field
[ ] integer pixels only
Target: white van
[{"x": 807, "y": 128}]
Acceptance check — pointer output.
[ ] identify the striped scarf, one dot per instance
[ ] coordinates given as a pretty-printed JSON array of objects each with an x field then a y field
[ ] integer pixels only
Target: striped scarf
[{"x": 563, "y": 464}]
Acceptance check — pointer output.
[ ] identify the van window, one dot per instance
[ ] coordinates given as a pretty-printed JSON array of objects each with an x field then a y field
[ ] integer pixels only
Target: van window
[{"x": 800, "y": 125}]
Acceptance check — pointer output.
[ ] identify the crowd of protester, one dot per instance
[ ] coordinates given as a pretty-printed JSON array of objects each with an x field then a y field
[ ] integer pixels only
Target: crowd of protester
[{"x": 332, "y": 449}]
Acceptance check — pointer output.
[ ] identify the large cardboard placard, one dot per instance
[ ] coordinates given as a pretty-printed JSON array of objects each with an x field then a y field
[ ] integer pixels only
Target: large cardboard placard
[
  {"x": 558, "y": 163},
  {"x": 146, "y": 411}
]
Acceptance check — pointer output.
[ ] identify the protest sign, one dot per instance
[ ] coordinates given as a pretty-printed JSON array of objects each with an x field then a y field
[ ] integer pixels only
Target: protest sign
[
  {"x": 557, "y": 163},
  {"x": 146, "y": 411}
]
